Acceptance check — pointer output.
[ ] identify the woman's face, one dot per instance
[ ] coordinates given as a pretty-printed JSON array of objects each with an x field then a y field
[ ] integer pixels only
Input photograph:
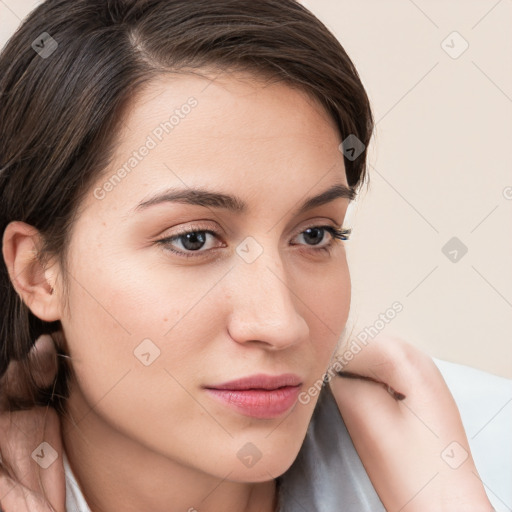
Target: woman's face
[{"x": 251, "y": 292}]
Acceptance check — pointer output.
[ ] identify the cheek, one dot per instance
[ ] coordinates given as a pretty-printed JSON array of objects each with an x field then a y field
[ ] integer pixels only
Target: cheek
[
  {"x": 135, "y": 314},
  {"x": 135, "y": 339},
  {"x": 326, "y": 294},
  {"x": 125, "y": 309},
  {"x": 144, "y": 334}
]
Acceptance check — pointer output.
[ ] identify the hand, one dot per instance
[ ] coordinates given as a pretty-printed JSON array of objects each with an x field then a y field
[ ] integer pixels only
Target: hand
[
  {"x": 24, "y": 485},
  {"x": 401, "y": 416}
]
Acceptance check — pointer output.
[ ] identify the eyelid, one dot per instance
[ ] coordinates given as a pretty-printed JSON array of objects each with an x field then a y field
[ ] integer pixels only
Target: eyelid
[
  {"x": 208, "y": 229},
  {"x": 336, "y": 230},
  {"x": 193, "y": 228},
  {"x": 320, "y": 223}
]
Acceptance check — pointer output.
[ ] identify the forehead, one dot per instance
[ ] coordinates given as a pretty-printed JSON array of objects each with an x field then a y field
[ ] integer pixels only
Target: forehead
[
  {"x": 235, "y": 103},
  {"x": 231, "y": 131}
]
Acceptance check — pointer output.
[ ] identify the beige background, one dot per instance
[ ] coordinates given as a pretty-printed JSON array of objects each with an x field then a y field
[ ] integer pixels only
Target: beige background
[{"x": 440, "y": 168}]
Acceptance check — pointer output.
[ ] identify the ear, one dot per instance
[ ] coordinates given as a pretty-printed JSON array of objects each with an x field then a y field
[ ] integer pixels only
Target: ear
[{"x": 35, "y": 284}]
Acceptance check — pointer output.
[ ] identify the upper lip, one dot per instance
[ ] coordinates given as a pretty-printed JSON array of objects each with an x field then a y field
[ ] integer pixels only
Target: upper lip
[{"x": 260, "y": 381}]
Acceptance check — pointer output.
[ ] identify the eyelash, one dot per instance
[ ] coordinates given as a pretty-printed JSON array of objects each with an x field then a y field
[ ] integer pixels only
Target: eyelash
[{"x": 337, "y": 234}]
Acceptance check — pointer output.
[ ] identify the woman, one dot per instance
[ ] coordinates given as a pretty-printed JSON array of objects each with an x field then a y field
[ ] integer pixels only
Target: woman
[{"x": 174, "y": 180}]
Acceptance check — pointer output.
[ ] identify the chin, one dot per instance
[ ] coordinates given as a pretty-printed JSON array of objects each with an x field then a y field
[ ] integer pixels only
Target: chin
[{"x": 254, "y": 466}]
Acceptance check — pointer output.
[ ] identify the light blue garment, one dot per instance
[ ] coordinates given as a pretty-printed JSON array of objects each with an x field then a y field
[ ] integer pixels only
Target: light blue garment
[{"x": 328, "y": 475}]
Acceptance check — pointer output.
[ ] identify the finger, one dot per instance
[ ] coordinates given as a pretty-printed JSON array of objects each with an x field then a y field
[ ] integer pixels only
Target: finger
[
  {"x": 406, "y": 438},
  {"x": 39, "y": 368},
  {"x": 15, "y": 498},
  {"x": 401, "y": 445},
  {"x": 389, "y": 360},
  {"x": 350, "y": 375},
  {"x": 31, "y": 446},
  {"x": 43, "y": 360},
  {"x": 52, "y": 478},
  {"x": 408, "y": 371}
]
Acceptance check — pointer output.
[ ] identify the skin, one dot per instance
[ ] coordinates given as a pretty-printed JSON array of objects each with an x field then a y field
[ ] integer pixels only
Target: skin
[
  {"x": 153, "y": 429},
  {"x": 401, "y": 442},
  {"x": 141, "y": 437}
]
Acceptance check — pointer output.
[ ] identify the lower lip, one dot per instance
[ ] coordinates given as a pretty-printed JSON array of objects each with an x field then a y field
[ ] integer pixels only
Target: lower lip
[{"x": 259, "y": 403}]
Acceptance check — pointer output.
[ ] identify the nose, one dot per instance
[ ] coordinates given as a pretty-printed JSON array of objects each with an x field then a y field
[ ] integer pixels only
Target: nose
[{"x": 264, "y": 307}]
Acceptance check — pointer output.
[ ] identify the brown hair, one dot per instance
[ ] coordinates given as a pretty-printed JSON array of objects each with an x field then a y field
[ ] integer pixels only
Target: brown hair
[{"x": 73, "y": 66}]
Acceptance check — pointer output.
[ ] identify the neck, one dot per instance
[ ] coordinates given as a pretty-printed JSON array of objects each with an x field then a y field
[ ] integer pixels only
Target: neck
[{"x": 115, "y": 472}]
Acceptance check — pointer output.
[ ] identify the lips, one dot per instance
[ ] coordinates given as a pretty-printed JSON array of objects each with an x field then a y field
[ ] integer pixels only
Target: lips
[
  {"x": 260, "y": 381},
  {"x": 258, "y": 396}
]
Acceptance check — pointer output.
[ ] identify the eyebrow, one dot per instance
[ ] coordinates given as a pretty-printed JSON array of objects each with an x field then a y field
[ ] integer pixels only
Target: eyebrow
[{"x": 208, "y": 198}]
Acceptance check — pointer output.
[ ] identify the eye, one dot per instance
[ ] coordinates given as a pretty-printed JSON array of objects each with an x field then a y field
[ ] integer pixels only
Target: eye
[
  {"x": 316, "y": 234},
  {"x": 193, "y": 240}
]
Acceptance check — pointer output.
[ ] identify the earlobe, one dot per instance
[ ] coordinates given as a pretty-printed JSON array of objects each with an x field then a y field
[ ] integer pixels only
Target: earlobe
[{"x": 34, "y": 283}]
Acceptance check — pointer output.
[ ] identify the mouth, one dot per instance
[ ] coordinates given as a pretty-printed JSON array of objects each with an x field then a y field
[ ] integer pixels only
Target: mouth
[
  {"x": 258, "y": 403},
  {"x": 258, "y": 396}
]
